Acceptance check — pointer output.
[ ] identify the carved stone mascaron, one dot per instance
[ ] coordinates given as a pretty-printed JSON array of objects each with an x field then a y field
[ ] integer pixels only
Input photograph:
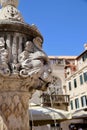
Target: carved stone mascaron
[{"x": 30, "y": 64}]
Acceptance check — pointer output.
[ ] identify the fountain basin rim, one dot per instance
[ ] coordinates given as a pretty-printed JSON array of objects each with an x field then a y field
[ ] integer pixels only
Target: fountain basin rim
[{"x": 19, "y": 27}]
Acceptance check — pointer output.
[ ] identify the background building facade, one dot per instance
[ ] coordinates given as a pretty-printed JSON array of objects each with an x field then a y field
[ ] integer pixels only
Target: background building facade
[{"x": 68, "y": 89}]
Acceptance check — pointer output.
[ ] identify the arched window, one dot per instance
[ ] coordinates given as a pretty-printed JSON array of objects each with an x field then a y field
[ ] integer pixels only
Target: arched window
[{"x": 56, "y": 85}]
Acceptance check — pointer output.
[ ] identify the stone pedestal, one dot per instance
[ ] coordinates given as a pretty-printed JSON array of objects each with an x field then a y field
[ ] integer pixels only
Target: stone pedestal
[
  {"x": 15, "y": 92},
  {"x": 14, "y": 110},
  {"x": 14, "y": 103}
]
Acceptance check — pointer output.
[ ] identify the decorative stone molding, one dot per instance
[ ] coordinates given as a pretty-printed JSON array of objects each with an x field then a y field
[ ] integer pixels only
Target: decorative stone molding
[
  {"x": 9, "y": 11},
  {"x": 30, "y": 62},
  {"x": 4, "y": 69}
]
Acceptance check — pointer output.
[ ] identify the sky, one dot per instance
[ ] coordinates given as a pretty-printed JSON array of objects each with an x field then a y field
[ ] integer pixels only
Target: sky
[{"x": 62, "y": 23}]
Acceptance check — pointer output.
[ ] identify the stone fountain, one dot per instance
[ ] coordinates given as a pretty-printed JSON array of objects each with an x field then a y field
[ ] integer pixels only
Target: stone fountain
[{"x": 24, "y": 66}]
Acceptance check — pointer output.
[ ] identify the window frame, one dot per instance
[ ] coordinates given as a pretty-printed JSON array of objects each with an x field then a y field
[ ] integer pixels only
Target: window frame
[
  {"x": 81, "y": 79},
  {"x": 71, "y": 105},
  {"x": 85, "y": 76},
  {"x": 69, "y": 86},
  {"x": 83, "y": 102},
  {"x": 77, "y": 105},
  {"x": 75, "y": 83}
]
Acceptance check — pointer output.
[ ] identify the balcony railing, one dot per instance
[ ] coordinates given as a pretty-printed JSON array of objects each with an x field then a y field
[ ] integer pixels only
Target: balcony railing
[{"x": 49, "y": 100}]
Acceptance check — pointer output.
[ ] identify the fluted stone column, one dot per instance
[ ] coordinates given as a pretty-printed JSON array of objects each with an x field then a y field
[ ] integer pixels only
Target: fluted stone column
[
  {"x": 8, "y": 43},
  {"x": 20, "y": 45}
]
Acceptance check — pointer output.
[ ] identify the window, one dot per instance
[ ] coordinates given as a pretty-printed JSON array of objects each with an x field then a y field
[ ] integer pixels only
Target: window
[
  {"x": 77, "y": 103},
  {"x": 69, "y": 85},
  {"x": 84, "y": 57},
  {"x": 75, "y": 83},
  {"x": 71, "y": 104},
  {"x": 85, "y": 76},
  {"x": 81, "y": 80},
  {"x": 84, "y": 101}
]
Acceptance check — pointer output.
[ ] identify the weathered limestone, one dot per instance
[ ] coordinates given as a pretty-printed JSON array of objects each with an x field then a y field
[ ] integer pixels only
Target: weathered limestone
[
  {"x": 9, "y": 2},
  {"x": 24, "y": 67},
  {"x": 9, "y": 10}
]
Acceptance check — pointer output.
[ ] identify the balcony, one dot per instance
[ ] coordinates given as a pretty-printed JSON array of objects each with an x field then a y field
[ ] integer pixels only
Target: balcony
[{"x": 57, "y": 101}]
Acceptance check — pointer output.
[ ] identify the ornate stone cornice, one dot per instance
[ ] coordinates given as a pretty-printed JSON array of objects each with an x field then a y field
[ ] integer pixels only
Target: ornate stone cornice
[{"x": 19, "y": 27}]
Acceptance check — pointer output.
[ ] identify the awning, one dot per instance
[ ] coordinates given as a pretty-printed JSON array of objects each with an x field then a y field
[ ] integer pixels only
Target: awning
[
  {"x": 46, "y": 115},
  {"x": 79, "y": 114}
]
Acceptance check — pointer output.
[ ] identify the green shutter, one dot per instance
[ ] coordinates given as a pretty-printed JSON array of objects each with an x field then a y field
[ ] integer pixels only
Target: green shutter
[
  {"x": 69, "y": 85},
  {"x": 75, "y": 83},
  {"x": 81, "y": 79},
  {"x": 85, "y": 76}
]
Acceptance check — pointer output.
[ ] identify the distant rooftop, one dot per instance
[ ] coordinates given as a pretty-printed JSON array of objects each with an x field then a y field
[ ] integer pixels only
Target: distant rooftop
[{"x": 62, "y": 57}]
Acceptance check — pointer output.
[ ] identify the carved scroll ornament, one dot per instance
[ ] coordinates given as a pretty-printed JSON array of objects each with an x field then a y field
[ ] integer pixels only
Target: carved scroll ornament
[{"x": 32, "y": 63}]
